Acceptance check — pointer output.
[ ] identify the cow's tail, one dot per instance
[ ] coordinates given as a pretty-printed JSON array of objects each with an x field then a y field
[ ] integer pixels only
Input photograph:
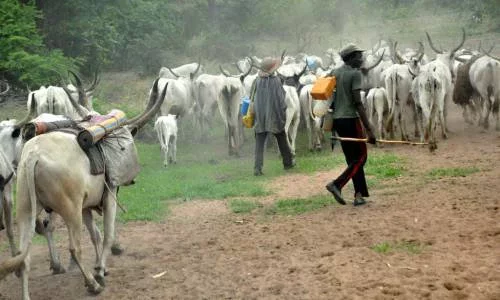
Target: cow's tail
[
  {"x": 12, "y": 264},
  {"x": 391, "y": 97},
  {"x": 433, "y": 107}
]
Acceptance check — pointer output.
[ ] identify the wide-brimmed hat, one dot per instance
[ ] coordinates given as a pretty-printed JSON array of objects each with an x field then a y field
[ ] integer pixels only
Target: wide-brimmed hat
[
  {"x": 349, "y": 49},
  {"x": 270, "y": 64}
]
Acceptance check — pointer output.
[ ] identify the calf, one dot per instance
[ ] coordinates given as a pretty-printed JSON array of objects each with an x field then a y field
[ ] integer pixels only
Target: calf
[
  {"x": 166, "y": 128},
  {"x": 376, "y": 103}
]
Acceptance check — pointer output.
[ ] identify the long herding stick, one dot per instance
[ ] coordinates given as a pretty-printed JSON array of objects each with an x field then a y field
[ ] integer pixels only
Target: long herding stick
[{"x": 347, "y": 139}]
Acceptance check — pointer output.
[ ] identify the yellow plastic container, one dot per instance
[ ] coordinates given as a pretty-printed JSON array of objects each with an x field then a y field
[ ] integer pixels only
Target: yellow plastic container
[{"x": 323, "y": 88}]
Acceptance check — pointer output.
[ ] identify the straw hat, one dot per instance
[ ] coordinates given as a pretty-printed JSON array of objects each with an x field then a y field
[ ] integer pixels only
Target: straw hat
[
  {"x": 270, "y": 64},
  {"x": 349, "y": 49}
]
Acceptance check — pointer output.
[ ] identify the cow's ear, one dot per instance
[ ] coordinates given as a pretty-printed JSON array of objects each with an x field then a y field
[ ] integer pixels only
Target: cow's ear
[{"x": 16, "y": 132}]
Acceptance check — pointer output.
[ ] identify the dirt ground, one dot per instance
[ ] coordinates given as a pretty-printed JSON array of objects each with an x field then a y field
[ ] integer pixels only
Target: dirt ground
[{"x": 207, "y": 252}]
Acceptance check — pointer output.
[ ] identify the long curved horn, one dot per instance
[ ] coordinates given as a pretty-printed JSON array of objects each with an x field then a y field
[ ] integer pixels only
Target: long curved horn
[
  {"x": 459, "y": 45},
  {"x": 82, "y": 95},
  {"x": 303, "y": 71},
  {"x": 31, "y": 111},
  {"x": 144, "y": 118},
  {"x": 398, "y": 57},
  {"x": 80, "y": 109},
  {"x": 375, "y": 64},
  {"x": 421, "y": 51},
  {"x": 432, "y": 45},
  {"x": 283, "y": 55},
  {"x": 6, "y": 90},
  {"x": 242, "y": 76},
  {"x": 94, "y": 83},
  {"x": 487, "y": 52},
  {"x": 191, "y": 75},
  {"x": 173, "y": 73}
]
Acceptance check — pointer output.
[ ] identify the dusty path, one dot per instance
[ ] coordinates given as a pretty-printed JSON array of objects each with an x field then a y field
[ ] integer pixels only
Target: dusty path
[{"x": 208, "y": 252}]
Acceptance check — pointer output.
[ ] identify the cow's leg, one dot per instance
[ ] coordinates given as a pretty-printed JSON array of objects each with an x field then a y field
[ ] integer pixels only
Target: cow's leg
[
  {"x": 288, "y": 123},
  {"x": 48, "y": 231},
  {"x": 442, "y": 119},
  {"x": 6, "y": 201},
  {"x": 486, "y": 111},
  {"x": 2, "y": 211},
  {"x": 293, "y": 133},
  {"x": 495, "y": 110},
  {"x": 95, "y": 235},
  {"x": 109, "y": 232},
  {"x": 173, "y": 146},
  {"x": 73, "y": 219},
  {"x": 26, "y": 229}
]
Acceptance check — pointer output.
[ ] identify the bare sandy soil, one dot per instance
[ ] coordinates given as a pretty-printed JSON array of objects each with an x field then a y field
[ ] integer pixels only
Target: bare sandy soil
[{"x": 207, "y": 252}]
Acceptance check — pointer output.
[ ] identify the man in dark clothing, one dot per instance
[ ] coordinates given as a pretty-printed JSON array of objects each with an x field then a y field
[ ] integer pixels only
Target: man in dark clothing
[
  {"x": 348, "y": 117},
  {"x": 269, "y": 106}
]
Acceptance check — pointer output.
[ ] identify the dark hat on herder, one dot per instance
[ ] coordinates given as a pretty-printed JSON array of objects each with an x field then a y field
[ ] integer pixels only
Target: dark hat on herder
[{"x": 349, "y": 49}]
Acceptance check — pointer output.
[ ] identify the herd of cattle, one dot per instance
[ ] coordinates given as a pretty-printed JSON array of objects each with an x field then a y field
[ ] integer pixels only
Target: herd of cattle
[{"x": 400, "y": 91}]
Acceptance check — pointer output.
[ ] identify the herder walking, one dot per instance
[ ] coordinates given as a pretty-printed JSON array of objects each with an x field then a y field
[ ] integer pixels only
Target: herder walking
[
  {"x": 348, "y": 117},
  {"x": 269, "y": 105}
]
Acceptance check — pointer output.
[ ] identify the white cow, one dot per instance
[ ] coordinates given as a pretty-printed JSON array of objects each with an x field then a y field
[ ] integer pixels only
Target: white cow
[
  {"x": 312, "y": 112},
  {"x": 398, "y": 80},
  {"x": 58, "y": 100},
  {"x": 9, "y": 137},
  {"x": 377, "y": 104},
  {"x": 166, "y": 129},
  {"x": 484, "y": 77},
  {"x": 187, "y": 70},
  {"x": 292, "y": 115},
  {"x": 432, "y": 89},
  {"x": 56, "y": 157}
]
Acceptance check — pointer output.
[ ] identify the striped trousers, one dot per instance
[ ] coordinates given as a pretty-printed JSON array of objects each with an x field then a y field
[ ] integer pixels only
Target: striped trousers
[{"x": 355, "y": 155}]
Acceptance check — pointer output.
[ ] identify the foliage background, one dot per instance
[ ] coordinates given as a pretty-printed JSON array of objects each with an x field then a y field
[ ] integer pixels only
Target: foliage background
[{"x": 41, "y": 39}]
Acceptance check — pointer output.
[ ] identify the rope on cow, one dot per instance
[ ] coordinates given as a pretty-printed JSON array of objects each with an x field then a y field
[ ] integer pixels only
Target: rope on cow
[{"x": 114, "y": 197}]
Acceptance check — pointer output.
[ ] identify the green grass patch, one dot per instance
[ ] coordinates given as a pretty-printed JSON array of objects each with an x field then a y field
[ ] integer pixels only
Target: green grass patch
[
  {"x": 452, "y": 172},
  {"x": 383, "y": 165},
  {"x": 412, "y": 247},
  {"x": 300, "y": 206},
  {"x": 239, "y": 206}
]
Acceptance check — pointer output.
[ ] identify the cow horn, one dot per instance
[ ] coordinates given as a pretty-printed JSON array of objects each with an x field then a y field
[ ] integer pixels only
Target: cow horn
[
  {"x": 398, "y": 57},
  {"x": 375, "y": 64},
  {"x": 138, "y": 122},
  {"x": 459, "y": 45},
  {"x": 421, "y": 51},
  {"x": 242, "y": 76},
  {"x": 479, "y": 47},
  {"x": 303, "y": 71},
  {"x": 31, "y": 111},
  {"x": 283, "y": 55},
  {"x": 82, "y": 96},
  {"x": 432, "y": 45},
  {"x": 80, "y": 109},
  {"x": 487, "y": 52},
  {"x": 94, "y": 83},
  {"x": 195, "y": 71},
  {"x": 6, "y": 90},
  {"x": 171, "y": 71}
]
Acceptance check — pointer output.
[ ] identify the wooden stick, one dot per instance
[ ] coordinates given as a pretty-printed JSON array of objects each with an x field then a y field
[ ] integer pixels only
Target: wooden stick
[{"x": 347, "y": 139}]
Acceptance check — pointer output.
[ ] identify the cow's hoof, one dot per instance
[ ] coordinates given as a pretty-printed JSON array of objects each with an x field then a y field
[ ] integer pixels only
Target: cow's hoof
[
  {"x": 58, "y": 269},
  {"x": 100, "y": 279},
  {"x": 117, "y": 249},
  {"x": 94, "y": 288}
]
